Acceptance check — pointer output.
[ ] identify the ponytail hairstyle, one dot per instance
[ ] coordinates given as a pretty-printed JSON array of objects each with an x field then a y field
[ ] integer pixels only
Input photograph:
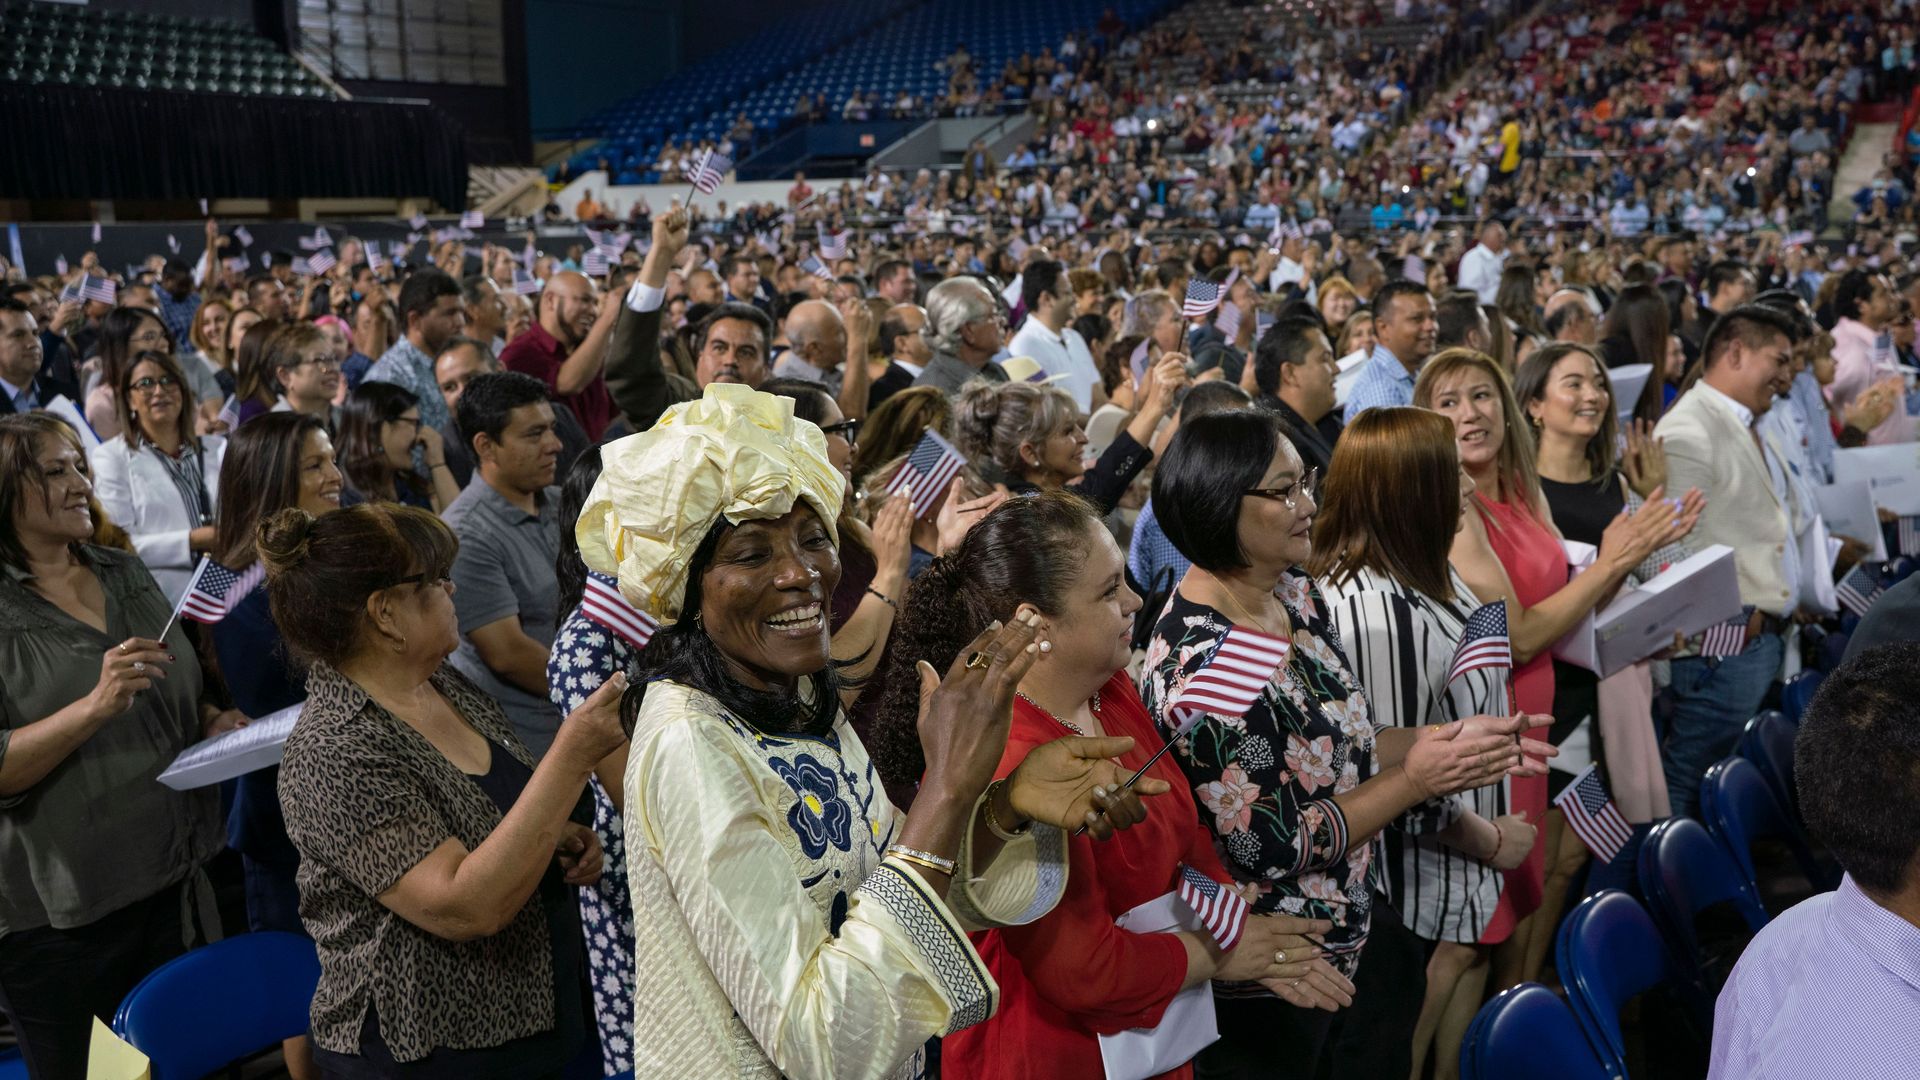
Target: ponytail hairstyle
[
  {"x": 1028, "y": 550},
  {"x": 320, "y": 570}
]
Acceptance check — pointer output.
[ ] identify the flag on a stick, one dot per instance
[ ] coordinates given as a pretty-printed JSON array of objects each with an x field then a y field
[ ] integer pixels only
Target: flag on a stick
[
  {"x": 524, "y": 283},
  {"x": 604, "y": 606},
  {"x": 594, "y": 262},
  {"x": 1231, "y": 680},
  {"x": 834, "y": 245},
  {"x": 216, "y": 590},
  {"x": 927, "y": 472},
  {"x": 1221, "y": 910},
  {"x": 706, "y": 175},
  {"x": 1857, "y": 591},
  {"x": 473, "y": 219},
  {"x": 322, "y": 261},
  {"x": 101, "y": 290},
  {"x": 1592, "y": 815},
  {"x": 812, "y": 265},
  {"x": 1202, "y": 297}
]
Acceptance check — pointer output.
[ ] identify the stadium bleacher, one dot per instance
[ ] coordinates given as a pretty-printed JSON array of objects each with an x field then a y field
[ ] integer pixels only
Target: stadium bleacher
[{"x": 82, "y": 46}]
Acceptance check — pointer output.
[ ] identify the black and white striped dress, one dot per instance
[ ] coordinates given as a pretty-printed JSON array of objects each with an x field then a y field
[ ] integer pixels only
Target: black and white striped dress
[{"x": 1401, "y": 644}]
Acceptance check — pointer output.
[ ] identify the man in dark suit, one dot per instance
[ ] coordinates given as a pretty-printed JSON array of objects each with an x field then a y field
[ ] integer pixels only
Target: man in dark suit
[
  {"x": 1294, "y": 369},
  {"x": 23, "y": 385},
  {"x": 730, "y": 343},
  {"x": 903, "y": 340}
]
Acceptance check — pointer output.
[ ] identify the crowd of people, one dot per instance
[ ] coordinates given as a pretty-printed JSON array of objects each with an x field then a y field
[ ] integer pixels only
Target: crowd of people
[{"x": 662, "y": 712}]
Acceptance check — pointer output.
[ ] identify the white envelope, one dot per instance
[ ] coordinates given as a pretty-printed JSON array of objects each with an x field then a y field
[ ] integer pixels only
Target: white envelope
[
  {"x": 1628, "y": 381},
  {"x": 1186, "y": 1027},
  {"x": 1848, "y": 509},
  {"x": 66, "y": 410},
  {"x": 1685, "y": 598},
  {"x": 1893, "y": 473},
  {"x": 1577, "y": 645},
  {"x": 236, "y": 753},
  {"x": 1349, "y": 374},
  {"x": 1817, "y": 549}
]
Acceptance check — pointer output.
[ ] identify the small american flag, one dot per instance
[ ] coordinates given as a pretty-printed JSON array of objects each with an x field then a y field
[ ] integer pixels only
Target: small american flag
[
  {"x": 1907, "y": 534},
  {"x": 418, "y": 223},
  {"x": 1483, "y": 642},
  {"x": 1592, "y": 815},
  {"x": 96, "y": 232},
  {"x": 1228, "y": 321},
  {"x": 241, "y": 234},
  {"x": 376, "y": 262},
  {"x": 216, "y": 590},
  {"x": 1138, "y": 361},
  {"x": 98, "y": 289},
  {"x": 812, "y": 265},
  {"x": 834, "y": 245},
  {"x": 60, "y": 265},
  {"x": 230, "y": 412},
  {"x": 1858, "y": 590},
  {"x": 594, "y": 262},
  {"x": 1202, "y": 297},
  {"x": 301, "y": 267},
  {"x": 604, "y": 606},
  {"x": 322, "y": 261},
  {"x": 524, "y": 283},
  {"x": 320, "y": 239},
  {"x": 707, "y": 175},
  {"x": 238, "y": 264},
  {"x": 1221, "y": 910},
  {"x": 1231, "y": 680},
  {"x": 173, "y": 243},
  {"x": 473, "y": 219},
  {"x": 1727, "y": 638},
  {"x": 927, "y": 472}
]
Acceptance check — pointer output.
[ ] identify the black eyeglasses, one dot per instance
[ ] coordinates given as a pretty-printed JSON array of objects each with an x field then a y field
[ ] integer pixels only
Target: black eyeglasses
[
  {"x": 1308, "y": 485},
  {"x": 151, "y": 383},
  {"x": 846, "y": 429},
  {"x": 423, "y": 580}
]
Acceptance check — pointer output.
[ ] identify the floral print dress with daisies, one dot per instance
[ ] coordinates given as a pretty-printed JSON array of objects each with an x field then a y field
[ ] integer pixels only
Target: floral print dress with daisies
[{"x": 1265, "y": 783}]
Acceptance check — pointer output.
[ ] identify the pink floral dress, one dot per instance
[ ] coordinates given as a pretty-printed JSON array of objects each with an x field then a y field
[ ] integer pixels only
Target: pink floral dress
[{"x": 1265, "y": 782}]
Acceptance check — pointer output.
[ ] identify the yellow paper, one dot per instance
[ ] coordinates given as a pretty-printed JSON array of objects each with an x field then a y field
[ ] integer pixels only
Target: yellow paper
[{"x": 112, "y": 1058}]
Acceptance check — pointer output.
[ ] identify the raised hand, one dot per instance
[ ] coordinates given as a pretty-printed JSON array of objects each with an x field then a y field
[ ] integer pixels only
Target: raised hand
[
  {"x": 125, "y": 670},
  {"x": 592, "y": 731},
  {"x": 964, "y": 717},
  {"x": 1645, "y": 463}
]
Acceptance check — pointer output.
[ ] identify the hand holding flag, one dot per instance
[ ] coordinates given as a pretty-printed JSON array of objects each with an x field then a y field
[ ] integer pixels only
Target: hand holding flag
[
  {"x": 925, "y": 474},
  {"x": 1202, "y": 298}
]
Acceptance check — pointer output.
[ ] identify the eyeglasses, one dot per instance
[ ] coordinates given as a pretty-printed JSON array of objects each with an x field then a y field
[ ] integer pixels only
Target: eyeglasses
[
  {"x": 326, "y": 363},
  {"x": 423, "y": 580},
  {"x": 151, "y": 383},
  {"x": 1308, "y": 485},
  {"x": 846, "y": 429}
]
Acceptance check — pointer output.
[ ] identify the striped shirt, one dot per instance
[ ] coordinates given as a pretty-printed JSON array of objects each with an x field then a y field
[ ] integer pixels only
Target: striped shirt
[
  {"x": 1401, "y": 644},
  {"x": 188, "y": 472}
]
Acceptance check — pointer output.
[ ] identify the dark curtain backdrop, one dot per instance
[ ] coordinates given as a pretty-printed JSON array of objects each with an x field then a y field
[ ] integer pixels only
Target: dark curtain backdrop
[{"x": 68, "y": 142}]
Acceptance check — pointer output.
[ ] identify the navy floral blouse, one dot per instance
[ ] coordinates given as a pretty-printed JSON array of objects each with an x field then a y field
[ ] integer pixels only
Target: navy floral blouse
[{"x": 1265, "y": 783}]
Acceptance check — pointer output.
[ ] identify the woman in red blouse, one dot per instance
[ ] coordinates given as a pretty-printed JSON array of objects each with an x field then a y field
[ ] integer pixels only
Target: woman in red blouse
[{"x": 1074, "y": 975}]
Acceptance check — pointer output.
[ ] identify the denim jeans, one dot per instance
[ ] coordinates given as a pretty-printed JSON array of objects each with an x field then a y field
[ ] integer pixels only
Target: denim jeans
[{"x": 1712, "y": 700}]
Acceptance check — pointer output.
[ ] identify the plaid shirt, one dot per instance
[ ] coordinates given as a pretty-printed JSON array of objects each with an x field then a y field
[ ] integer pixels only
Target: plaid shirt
[
  {"x": 1150, "y": 554},
  {"x": 178, "y": 315},
  {"x": 1383, "y": 382}
]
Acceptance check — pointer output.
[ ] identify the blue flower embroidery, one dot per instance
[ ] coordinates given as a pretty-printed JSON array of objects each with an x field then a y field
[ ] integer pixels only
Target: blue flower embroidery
[{"x": 818, "y": 815}]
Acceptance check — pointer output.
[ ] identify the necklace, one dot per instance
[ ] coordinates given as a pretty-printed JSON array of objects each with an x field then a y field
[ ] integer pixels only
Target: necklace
[
  {"x": 1092, "y": 703},
  {"x": 1227, "y": 594}
]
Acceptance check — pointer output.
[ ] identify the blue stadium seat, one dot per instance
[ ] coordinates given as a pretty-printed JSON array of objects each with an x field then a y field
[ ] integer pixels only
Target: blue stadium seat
[
  {"x": 1767, "y": 741},
  {"x": 1740, "y": 808},
  {"x": 12, "y": 1067},
  {"x": 1798, "y": 692},
  {"x": 1528, "y": 1033},
  {"x": 196, "y": 1013},
  {"x": 1683, "y": 872},
  {"x": 1608, "y": 953}
]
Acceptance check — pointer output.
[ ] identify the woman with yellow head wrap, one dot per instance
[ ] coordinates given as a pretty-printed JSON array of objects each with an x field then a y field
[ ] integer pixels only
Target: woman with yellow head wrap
[{"x": 788, "y": 920}]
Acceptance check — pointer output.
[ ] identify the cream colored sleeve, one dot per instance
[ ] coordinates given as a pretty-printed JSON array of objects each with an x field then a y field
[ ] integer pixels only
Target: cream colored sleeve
[
  {"x": 832, "y": 1005},
  {"x": 1022, "y": 883}
]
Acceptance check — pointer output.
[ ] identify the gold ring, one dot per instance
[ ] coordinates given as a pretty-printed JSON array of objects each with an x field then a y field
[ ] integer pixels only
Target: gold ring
[{"x": 978, "y": 662}]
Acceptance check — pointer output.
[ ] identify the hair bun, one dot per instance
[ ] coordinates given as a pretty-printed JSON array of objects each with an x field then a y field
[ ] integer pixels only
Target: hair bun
[{"x": 284, "y": 540}]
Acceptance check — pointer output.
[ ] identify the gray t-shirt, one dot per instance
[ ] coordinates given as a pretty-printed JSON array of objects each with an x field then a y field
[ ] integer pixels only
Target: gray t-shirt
[{"x": 505, "y": 568}]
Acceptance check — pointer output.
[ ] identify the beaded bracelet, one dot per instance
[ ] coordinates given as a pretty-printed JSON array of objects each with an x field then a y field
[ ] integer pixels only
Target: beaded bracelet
[
  {"x": 923, "y": 858},
  {"x": 884, "y": 598}
]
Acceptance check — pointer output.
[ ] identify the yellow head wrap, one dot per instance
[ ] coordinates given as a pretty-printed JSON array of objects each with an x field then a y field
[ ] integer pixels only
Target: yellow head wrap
[{"x": 735, "y": 453}]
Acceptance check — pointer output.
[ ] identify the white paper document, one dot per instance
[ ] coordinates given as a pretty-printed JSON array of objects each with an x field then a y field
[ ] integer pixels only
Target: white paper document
[
  {"x": 1186, "y": 1027},
  {"x": 236, "y": 753},
  {"x": 1817, "y": 549},
  {"x": 1892, "y": 471},
  {"x": 1348, "y": 374},
  {"x": 68, "y": 411},
  {"x": 1628, "y": 381},
  {"x": 1684, "y": 599},
  {"x": 1848, "y": 509}
]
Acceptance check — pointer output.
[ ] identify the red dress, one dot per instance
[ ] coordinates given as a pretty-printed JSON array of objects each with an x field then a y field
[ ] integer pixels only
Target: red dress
[
  {"x": 1073, "y": 973},
  {"x": 1537, "y": 565}
]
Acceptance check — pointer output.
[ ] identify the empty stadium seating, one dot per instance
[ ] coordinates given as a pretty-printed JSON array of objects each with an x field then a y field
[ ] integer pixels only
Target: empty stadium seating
[{"x": 79, "y": 46}]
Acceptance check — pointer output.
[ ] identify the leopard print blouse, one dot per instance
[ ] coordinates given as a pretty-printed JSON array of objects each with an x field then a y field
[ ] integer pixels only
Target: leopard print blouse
[{"x": 366, "y": 799}]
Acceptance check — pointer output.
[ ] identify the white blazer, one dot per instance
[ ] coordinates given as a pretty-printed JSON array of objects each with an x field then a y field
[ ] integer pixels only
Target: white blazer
[
  {"x": 1709, "y": 448},
  {"x": 139, "y": 495}
]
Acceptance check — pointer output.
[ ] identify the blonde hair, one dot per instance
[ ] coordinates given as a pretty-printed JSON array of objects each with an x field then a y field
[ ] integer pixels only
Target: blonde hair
[
  {"x": 1514, "y": 467},
  {"x": 1146, "y": 310},
  {"x": 994, "y": 420}
]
